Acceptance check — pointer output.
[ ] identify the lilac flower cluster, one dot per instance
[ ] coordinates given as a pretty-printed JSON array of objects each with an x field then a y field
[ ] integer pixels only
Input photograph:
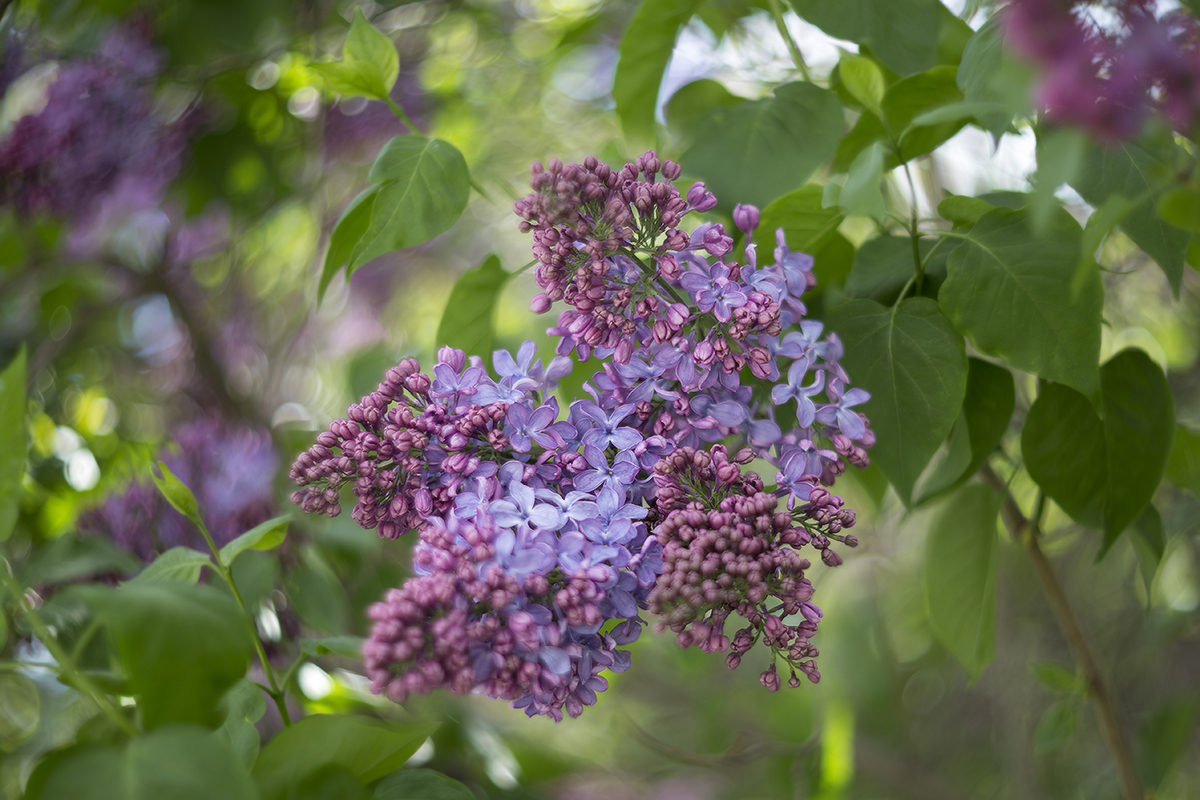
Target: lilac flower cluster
[
  {"x": 96, "y": 135},
  {"x": 1109, "y": 77},
  {"x": 231, "y": 471},
  {"x": 727, "y": 549},
  {"x": 543, "y": 534}
]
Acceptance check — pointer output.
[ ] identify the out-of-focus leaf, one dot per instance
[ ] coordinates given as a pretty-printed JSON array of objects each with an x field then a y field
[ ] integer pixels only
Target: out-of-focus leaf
[
  {"x": 182, "y": 564},
  {"x": 1165, "y": 736},
  {"x": 693, "y": 100},
  {"x": 643, "y": 55},
  {"x": 864, "y": 80},
  {"x": 468, "y": 320},
  {"x": 1149, "y": 542},
  {"x": 266, "y": 536},
  {"x": 903, "y": 34},
  {"x": 424, "y": 187},
  {"x": 807, "y": 225},
  {"x": 245, "y": 706},
  {"x": 180, "y": 762},
  {"x": 962, "y": 556},
  {"x": 1181, "y": 207},
  {"x": 421, "y": 784},
  {"x": 1060, "y": 155},
  {"x": 1103, "y": 473},
  {"x": 1137, "y": 176},
  {"x": 71, "y": 557},
  {"x": 757, "y": 151},
  {"x": 1056, "y": 677},
  {"x": 331, "y": 782},
  {"x": 962, "y": 211},
  {"x": 370, "y": 64},
  {"x": 346, "y": 646},
  {"x": 22, "y": 705},
  {"x": 1055, "y": 728},
  {"x": 832, "y": 262},
  {"x": 182, "y": 645},
  {"x": 12, "y": 442},
  {"x": 883, "y": 265},
  {"x": 348, "y": 231},
  {"x": 178, "y": 494},
  {"x": 862, "y": 194},
  {"x": 369, "y": 748},
  {"x": 987, "y": 76},
  {"x": 317, "y": 595},
  {"x": 1012, "y": 294},
  {"x": 1183, "y": 466},
  {"x": 914, "y": 365}
]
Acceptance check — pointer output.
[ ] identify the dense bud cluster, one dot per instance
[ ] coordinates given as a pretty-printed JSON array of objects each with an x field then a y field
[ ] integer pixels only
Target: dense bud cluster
[
  {"x": 231, "y": 471},
  {"x": 1109, "y": 77},
  {"x": 544, "y": 534}
]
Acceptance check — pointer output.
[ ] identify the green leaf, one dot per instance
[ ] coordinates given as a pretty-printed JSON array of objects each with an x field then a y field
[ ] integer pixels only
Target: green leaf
[
  {"x": 832, "y": 262},
  {"x": 22, "y": 704},
  {"x": 182, "y": 645},
  {"x": 421, "y": 784},
  {"x": 1012, "y": 294},
  {"x": 807, "y": 225},
  {"x": 348, "y": 231},
  {"x": 245, "y": 706},
  {"x": 346, "y": 646},
  {"x": 987, "y": 76},
  {"x": 180, "y": 762},
  {"x": 331, "y": 782},
  {"x": 864, "y": 80},
  {"x": 761, "y": 149},
  {"x": 266, "y": 536},
  {"x": 467, "y": 321},
  {"x": 693, "y": 100},
  {"x": 70, "y": 557},
  {"x": 902, "y": 34},
  {"x": 884, "y": 265},
  {"x": 1055, "y": 728},
  {"x": 1103, "y": 473},
  {"x": 1056, "y": 677},
  {"x": 964, "y": 212},
  {"x": 1165, "y": 737},
  {"x": 962, "y": 557},
  {"x": 642, "y": 58},
  {"x": 370, "y": 64},
  {"x": 369, "y": 748},
  {"x": 1099, "y": 225},
  {"x": 987, "y": 409},
  {"x": 424, "y": 187},
  {"x": 956, "y": 112},
  {"x": 182, "y": 564},
  {"x": 1059, "y": 158},
  {"x": 1149, "y": 542},
  {"x": 1136, "y": 175},
  {"x": 862, "y": 194},
  {"x": 178, "y": 494},
  {"x": 317, "y": 594},
  {"x": 913, "y": 363},
  {"x": 12, "y": 442},
  {"x": 1181, "y": 207},
  {"x": 1183, "y": 466}
]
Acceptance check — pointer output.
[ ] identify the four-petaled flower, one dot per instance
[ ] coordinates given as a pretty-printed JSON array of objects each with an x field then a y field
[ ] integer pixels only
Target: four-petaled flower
[
  {"x": 806, "y": 411},
  {"x": 618, "y": 476},
  {"x": 849, "y": 422}
]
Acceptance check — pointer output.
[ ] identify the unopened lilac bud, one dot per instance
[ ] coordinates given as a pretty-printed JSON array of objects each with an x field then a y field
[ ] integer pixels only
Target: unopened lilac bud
[
  {"x": 540, "y": 303},
  {"x": 455, "y": 359},
  {"x": 746, "y": 218},
  {"x": 700, "y": 199}
]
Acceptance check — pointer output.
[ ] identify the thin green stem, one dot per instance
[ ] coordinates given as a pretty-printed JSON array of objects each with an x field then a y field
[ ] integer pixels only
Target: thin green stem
[
  {"x": 903, "y": 292},
  {"x": 793, "y": 48},
  {"x": 65, "y": 666},
  {"x": 227, "y": 576},
  {"x": 932, "y": 250},
  {"x": 399, "y": 112},
  {"x": 482, "y": 192},
  {"x": 914, "y": 233}
]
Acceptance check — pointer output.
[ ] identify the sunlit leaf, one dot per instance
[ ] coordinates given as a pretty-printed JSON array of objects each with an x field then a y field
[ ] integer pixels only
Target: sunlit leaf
[
  {"x": 181, "y": 564},
  {"x": 370, "y": 64},
  {"x": 265, "y": 536},
  {"x": 863, "y": 79}
]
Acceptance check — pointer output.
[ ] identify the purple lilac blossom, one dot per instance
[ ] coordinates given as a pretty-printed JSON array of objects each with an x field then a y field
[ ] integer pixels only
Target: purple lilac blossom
[
  {"x": 231, "y": 471},
  {"x": 1110, "y": 78}
]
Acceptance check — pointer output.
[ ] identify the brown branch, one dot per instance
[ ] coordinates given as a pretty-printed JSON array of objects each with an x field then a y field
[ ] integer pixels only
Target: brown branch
[{"x": 1027, "y": 532}]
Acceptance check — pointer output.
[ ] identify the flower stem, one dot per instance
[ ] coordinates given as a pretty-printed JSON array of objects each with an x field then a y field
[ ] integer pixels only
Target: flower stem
[
  {"x": 1027, "y": 532},
  {"x": 399, "y": 112},
  {"x": 793, "y": 49},
  {"x": 65, "y": 666}
]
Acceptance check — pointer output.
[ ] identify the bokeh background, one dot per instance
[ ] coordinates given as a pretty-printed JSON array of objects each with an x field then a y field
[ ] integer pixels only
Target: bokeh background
[{"x": 170, "y": 174}]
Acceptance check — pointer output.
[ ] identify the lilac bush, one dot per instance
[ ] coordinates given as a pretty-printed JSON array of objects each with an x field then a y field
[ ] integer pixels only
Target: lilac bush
[{"x": 543, "y": 535}]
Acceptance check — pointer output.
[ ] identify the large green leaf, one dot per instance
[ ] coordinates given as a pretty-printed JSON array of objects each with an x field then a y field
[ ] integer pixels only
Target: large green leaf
[
  {"x": 807, "y": 224},
  {"x": 244, "y": 705},
  {"x": 1012, "y": 293},
  {"x": 903, "y": 34},
  {"x": 643, "y": 55},
  {"x": 370, "y": 64},
  {"x": 913, "y": 363},
  {"x": 1183, "y": 466},
  {"x": 369, "y": 748},
  {"x": 424, "y": 186},
  {"x": 12, "y": 442},
  {"x": 182, "y": 645},
  {"x": 179, "y": 762},
  {"x": 421, "y": 784},
  {"x": 759, "y": 150},
  {"x": 1165, "y": 736},
  {"x": 962, "y": 556},
  {"x": 467, "y": 320},
  {"x": 1103, "y": 472},
  {"x": 693, "y": 100},
  {"x": 883, "y": 265},
  {"x": 996, "y": 84},
  {"x": 986, "y": 411},
  {"x": 348, "y": 231},
  {"x": 1126, "y": 170}
]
